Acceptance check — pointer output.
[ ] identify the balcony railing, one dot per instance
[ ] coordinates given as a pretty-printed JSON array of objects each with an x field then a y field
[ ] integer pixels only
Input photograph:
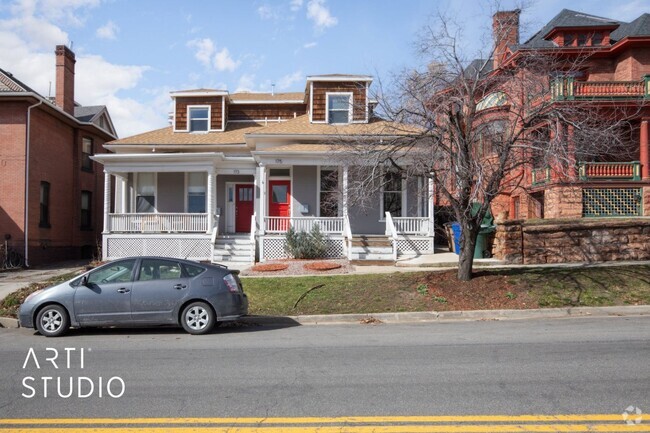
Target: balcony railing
[
  {"x": 412, "y": 225},
  {"x": 610, "y": 170},
  {"x": 159, "y": 222},
  {"x": 281, "y": 224},
  {"x": 568, "y": 89}
]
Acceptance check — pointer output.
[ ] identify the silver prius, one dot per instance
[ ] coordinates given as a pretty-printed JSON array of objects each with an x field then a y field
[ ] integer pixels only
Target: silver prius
[{"x": 139, "y": 291}]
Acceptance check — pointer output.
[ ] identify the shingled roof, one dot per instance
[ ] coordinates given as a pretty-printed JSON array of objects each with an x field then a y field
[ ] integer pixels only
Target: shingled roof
[{"x": 10, "y": 84}]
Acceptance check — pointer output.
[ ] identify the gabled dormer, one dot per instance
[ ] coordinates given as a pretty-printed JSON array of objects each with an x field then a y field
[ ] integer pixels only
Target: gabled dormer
[
  {"x": 200, "y": 110},
  {"x": 338, "y": 99}
]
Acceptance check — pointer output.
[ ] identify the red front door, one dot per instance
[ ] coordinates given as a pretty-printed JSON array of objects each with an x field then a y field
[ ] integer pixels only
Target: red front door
[
  {"x": 243, "y": 208},
  {"x": 279, "y": 199}
]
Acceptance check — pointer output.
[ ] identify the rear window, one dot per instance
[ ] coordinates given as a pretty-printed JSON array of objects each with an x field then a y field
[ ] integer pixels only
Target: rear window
[{"x": 193, "y": 271}]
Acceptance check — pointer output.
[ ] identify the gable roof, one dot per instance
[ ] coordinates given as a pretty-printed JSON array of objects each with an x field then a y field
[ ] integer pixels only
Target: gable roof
[
  {"x": 296, "y": 97},
  {"x": 234, "y": 134},
  {"x": 8, "y": 83},
  {"x": 567, "y": 18},
  {"x": 89, "y": 113}
]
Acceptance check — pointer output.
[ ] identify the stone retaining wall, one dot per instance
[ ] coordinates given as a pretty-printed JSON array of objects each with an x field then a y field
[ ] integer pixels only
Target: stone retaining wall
[{"x": 560, "y": 241}]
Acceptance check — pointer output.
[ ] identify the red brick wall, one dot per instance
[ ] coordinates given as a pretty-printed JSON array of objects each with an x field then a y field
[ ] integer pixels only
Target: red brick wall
[{"x": 55, "y": 157}]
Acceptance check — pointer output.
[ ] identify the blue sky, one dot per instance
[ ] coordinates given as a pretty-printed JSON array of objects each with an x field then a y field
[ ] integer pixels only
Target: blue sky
[{"x": 132, "y": 53}]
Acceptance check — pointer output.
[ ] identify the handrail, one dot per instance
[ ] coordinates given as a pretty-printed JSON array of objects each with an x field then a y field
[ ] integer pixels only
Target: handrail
[
  {"x": 390, "y": 231},
  {"x": 610, "y": 170},
  {"x": 273, "y": 224},
  {"x": 252, "y": 236},
  {"x": 411, "y": 225}
]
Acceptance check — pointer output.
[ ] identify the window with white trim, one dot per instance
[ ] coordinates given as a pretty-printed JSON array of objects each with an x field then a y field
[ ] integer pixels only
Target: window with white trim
[
  {"x": 198, "y": 118},
  {"x": 196, "y": 188},
  {"x": 145, "y": 199},
  {"x": 392, "y": 190},
  {"x": 339, "y": 108},
  {"x": 329, "y": 196}
]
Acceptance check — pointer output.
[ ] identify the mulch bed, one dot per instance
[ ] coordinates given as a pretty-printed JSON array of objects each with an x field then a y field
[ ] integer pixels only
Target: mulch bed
[
  {"x": 270, "y": 267},
  {"x": 322, "y": 266},
  {"x": 299, "y": 267}
]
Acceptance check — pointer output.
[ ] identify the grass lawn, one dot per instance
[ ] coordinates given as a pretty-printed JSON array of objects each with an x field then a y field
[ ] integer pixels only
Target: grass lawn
[{"x": 426, "y": 291}]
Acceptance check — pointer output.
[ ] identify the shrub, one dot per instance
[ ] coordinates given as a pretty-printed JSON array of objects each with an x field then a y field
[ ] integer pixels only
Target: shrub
[{"x": 303, "y": 245}]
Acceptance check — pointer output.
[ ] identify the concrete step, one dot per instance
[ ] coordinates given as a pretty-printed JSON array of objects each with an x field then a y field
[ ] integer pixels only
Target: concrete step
[
  {"x": 372, "y": 250},
  {"x": 217, "y": 258},
  {"x": 227, "y": 252},
  {"x": 233, "y": 242},
  {"x": 371, "y": 256},
  {"x": 372, "y": 262}
]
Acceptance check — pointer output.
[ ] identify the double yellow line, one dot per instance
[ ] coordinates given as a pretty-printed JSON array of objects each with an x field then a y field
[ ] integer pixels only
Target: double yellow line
[{"x": 380, "y": 424}]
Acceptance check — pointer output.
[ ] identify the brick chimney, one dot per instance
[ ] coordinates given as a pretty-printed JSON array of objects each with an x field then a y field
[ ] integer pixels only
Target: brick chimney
[
  {"x": 65, "y": 78},
  {"x": 505, "y": 31}
]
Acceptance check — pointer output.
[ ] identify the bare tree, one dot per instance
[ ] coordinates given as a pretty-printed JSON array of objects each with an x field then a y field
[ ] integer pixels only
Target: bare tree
[{"x": 479, "y": 127}]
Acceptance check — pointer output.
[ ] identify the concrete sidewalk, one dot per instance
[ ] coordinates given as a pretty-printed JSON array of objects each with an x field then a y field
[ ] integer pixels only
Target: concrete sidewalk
[{"x": 10, "y": 281}]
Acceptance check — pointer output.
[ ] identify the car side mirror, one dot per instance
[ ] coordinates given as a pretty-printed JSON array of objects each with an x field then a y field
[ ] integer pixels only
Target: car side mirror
[{"x": 84, "y": 280}]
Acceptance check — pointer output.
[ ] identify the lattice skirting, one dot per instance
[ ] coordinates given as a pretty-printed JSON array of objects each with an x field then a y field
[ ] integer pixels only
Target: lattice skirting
[
  {"x": 273, "y": 248},
  {"x": 191, "y": 247},
  {"x": 606, "y": 202},
  {"x": 412, "y": 245}
]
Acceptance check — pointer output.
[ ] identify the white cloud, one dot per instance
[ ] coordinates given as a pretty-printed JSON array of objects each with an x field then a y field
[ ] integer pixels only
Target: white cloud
[
  {"x": 108, "y": 31},
  {"x": 204, "y": 50},
  {"x": 223, "y": 61},
  {"x": 246, "y": 83},
  {"x": 320, "y": 15},
  {"x": 28, "y": 35},
  {"x": 266, "y": 12},
  {"x": 309, "y": 45},
  {"x": 288, "y": 80},
  {"x": 295, "y": 5}
]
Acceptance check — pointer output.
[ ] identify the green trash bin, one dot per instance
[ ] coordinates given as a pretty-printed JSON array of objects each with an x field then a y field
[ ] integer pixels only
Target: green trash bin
[{"x": 481, "y": 249}]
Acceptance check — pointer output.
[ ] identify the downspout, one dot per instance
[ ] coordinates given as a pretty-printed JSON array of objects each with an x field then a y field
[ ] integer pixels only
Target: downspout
[{"x": 29, "y": 111}]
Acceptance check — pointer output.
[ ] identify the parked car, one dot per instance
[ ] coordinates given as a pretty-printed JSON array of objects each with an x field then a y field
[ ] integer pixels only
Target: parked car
[{"x": 138, "y": 291}]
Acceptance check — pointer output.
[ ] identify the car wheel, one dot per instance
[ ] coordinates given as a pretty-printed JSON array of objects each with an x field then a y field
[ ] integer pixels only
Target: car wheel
[
  {"x": 197, "y": 318},
  {"x": 52, "y": 321}
]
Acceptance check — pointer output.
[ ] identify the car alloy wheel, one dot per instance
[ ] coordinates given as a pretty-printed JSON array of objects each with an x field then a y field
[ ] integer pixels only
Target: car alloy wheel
[
  {"x": 52, "y": 321},
  {"x": 197, "y": 318}
]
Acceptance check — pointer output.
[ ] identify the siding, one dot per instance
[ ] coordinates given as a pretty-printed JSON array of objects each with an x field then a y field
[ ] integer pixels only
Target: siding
[
  {"x": 215, "y": 103},
  {"x": 171, "y": 192},
  {"x": 319, "y": 98},
  {"x": 303, "y": 188},
  {"x": 263, "y": 111}
]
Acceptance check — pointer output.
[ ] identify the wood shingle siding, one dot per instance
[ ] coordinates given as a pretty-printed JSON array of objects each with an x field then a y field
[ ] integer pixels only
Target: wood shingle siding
[
  {"x": 215, "y": 103},
  {"x": 264, "y": 111},
  {"x": 319, "y": 99}
]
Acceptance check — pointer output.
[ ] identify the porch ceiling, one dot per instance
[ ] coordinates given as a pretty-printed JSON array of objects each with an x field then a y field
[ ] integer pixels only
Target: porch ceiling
[{"x": 159, "y": 162}]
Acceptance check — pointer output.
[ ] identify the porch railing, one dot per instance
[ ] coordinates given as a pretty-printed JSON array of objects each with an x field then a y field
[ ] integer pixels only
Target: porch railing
[
  {"x": 411, "y": 225},
  {"x": 160, "y": 222},
  {"x": 541, "y": 175},
  {"x": 568, "y": 88},
  {"x": 610, "y": 170},
  {"x": 391, "y": 232},
  {"x": 274, "y": 224}
]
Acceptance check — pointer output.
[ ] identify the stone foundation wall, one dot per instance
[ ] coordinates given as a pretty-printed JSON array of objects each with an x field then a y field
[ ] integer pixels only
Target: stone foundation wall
[
  {"x": 592, "y": 240},
  {"x": 563, "y": 202},
  {"x": 646, "y": 201}
]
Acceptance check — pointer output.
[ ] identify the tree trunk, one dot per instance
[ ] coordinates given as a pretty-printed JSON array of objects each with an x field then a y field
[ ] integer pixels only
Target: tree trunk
[{"x": 466, "y": 256}]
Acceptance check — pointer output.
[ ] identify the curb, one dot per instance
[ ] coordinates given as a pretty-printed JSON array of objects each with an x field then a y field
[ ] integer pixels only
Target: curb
[
  {"x": 448, "y": 316},
  {"x": 9, "y": 322}
]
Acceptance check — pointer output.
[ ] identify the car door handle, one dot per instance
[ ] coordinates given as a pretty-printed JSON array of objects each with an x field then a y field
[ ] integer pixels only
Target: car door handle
[
  {"x": 123, "y": 290},
  {"x": 180, "y": 286}
]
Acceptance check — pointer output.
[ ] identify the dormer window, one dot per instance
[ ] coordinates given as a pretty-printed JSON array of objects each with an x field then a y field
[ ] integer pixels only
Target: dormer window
[
  {"x": 339, "y": 108},
  {"x": 568, "y": 39},
  {"x": 597, "y": 38},
  {"x": 198, "y": 118}
]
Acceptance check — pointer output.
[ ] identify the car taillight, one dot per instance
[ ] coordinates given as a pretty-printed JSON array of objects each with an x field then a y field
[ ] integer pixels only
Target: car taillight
[{"x": 231, "y": 283}]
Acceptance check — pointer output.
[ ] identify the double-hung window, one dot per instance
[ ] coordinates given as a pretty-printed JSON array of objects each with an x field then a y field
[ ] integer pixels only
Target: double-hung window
[
  {"x": 86, "y": 153},
  {"x": 145, "y": 199},
  {"x": 392, "y": 194},
  {"x": 339, "y": 108},
  {"x": 86, "y": 200},
  {"x": 329, "y": 196},
  {"x": 196, "y": 187},
  {"x": 199, "y": 118}
]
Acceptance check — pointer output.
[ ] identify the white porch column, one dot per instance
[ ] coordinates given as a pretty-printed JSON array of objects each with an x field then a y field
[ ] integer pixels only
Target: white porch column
[
  {"x": 211, "y": 200},
  {"x": 345, "y": 191},
  {"x": 107, "y": 201},
  {"x": 430, "y": 191},
  {"x": 262, "y": 184}
]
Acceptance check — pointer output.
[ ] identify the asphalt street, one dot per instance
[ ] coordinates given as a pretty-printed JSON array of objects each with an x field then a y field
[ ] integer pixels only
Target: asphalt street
[{"x": 560, "y": 366}]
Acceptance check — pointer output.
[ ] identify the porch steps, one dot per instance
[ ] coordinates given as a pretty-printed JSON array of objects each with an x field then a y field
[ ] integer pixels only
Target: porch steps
[
  {"x": 232, "y": 248},
  {"x": 371, "y": 249}
]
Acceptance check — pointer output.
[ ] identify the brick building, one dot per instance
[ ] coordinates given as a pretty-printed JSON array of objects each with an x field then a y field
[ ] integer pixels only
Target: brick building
[
  {"x": 614, "y": 73},
  {"x": 50, "y": 188}
]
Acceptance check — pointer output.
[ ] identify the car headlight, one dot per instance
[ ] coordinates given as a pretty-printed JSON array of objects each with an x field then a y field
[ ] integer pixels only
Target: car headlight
[{"x": 31, "y": 295}]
